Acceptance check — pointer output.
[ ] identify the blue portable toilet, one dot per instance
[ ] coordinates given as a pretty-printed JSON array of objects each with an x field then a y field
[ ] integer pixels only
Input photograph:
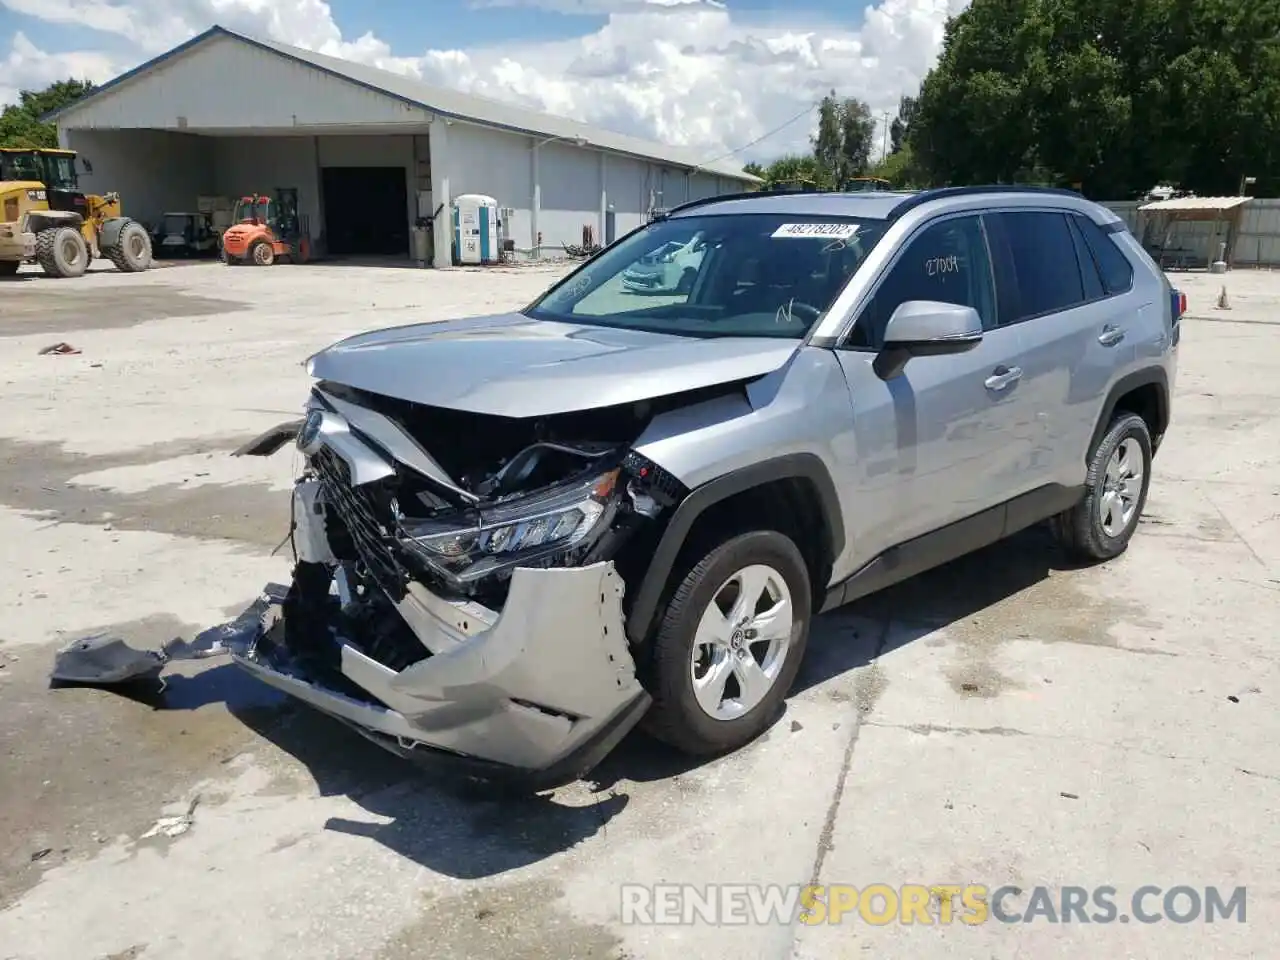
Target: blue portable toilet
[{"x": 475, "y": 228}]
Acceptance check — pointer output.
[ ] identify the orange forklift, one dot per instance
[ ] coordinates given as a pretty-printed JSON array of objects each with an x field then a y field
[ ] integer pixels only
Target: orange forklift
[{"x": 264, "y": 229}]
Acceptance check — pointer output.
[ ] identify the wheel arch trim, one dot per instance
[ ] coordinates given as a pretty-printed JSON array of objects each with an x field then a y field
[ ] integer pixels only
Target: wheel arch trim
[
  {"x": 795, "y": 466},
  {"x": 1151, "y": 376}
]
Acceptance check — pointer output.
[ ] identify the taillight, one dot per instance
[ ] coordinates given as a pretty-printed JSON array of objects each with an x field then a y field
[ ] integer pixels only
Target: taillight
[{"x": 1178, "y": 303}]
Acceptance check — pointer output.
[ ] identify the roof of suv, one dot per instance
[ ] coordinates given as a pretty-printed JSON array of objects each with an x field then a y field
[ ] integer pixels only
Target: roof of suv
[{"x": 873, "y": 205}]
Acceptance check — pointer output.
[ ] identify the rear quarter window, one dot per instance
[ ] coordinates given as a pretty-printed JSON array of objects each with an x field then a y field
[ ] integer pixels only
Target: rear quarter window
[{"x": 1113, "y": 266}]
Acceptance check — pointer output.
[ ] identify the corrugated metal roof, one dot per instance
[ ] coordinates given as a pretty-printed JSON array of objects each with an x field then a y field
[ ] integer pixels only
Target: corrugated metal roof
[
  {"x": 1196, "y": 203},
  {"x": 446, "y": 102}
]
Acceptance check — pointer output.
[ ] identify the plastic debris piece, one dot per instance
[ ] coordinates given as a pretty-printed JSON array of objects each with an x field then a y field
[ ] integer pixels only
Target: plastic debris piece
[
  {"x": 105, "y": 660},
  {"x": 58, "y": 349},
  {"x": 174, "y": 826}
]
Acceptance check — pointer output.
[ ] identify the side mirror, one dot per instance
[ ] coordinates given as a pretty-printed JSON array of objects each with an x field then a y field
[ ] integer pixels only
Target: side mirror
[{"x": 926, "y": 328}]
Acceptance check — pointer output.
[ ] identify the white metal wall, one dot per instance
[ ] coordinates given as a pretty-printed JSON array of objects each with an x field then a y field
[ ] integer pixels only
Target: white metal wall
[
  {"x": 153, "y": 171},
  {"x": 225, "y": 83},
  {"x": 570, "y": 186}
]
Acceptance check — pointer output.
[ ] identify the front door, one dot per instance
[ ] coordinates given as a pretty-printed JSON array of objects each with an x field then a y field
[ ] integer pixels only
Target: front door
[{"x": 939, "y": 443}]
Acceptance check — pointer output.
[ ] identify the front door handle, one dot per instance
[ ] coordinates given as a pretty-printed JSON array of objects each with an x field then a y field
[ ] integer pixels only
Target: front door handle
[
  {"x": 1110, "y": 335},
  {"x": 1002, "y": 377}
]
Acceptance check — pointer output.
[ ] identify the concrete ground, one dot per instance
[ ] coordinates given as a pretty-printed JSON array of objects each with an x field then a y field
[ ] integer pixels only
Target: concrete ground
[{"x": 1002, "y": 721}]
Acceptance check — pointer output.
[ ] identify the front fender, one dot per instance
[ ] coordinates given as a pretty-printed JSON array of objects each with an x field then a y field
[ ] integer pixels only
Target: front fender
[
  {"x": 109, "y": 235},
  {"x": 802, "y": 466}
]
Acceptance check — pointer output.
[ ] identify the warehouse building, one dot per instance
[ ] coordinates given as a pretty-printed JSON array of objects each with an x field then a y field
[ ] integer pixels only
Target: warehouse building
[{"x": 369, "y": 152}]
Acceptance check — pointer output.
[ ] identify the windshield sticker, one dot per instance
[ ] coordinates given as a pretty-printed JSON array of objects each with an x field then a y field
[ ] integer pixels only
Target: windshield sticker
[{"x": 825, "y": 231}]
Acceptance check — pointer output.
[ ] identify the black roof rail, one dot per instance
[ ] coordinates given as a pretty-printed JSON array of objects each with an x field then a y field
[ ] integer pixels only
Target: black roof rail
[
  {"x": 943, "y": 193},
  {"x": 747, "y": 195}
]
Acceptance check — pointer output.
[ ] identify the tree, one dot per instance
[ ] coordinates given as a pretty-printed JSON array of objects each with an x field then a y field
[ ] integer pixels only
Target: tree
[
  {"x": 1112, "y": 95},
  {"x": 20, "y": 124},
  {"x": 793, "y": 167},
  {"x": 857, "y": 131},
  {"x": 842, "y": 145},
  {"x": 901, "y": 124}
]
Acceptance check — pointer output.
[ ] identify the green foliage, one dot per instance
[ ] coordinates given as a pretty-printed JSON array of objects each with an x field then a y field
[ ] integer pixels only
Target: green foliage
[
  {"x": 1114, "y": 96},
  {"x": 795, "y": 167},
  {"x": 899, "y": 169},
  {"x": 20, "y": 124},
  {"x": 842, "y": 145},
  {"x": 901, "y": 124}
]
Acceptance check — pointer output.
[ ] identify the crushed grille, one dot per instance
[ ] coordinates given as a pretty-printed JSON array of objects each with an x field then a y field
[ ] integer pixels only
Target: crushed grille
[{"x": 366, "y": 524}]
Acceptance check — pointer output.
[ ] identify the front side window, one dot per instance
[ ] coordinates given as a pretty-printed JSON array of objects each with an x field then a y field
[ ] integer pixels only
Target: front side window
[
  {"x": 743, "y": 275},
  {"x": 947, "y": 262}
]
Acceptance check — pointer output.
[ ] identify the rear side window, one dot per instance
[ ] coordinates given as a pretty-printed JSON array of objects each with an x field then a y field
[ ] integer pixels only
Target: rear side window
[
  {"x": 1114, "y": 266},
  {"x": 1044, "y": 262}
]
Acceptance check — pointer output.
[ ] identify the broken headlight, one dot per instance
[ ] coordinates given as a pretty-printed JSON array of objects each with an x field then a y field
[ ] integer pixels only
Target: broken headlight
[{"x": 520, "y": 532}]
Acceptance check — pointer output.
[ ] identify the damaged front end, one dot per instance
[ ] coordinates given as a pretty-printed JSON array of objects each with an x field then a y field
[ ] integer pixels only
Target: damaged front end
[{"x": 459, "y": 587}]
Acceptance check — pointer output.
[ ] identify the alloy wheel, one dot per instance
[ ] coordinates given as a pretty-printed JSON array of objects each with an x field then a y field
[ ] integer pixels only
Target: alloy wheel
[
  {"x": 1121, "y": 488},
  {"x": 741, "y": 642}
]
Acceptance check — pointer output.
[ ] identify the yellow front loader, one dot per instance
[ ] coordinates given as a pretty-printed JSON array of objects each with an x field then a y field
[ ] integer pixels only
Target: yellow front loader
[{"x": 46, "y": 219}]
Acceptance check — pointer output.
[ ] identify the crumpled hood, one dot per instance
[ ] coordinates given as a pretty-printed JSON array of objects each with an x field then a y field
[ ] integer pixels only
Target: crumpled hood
[{"x": 510, "y": 365}]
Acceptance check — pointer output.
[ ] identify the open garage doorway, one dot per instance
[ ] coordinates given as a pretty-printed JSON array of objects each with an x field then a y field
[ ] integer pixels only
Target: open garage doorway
[{"x": 366, "y": 211}]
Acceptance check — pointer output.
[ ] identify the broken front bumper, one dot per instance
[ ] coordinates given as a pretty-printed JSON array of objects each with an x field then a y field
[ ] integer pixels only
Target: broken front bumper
[{"x": 538, "y": 694}]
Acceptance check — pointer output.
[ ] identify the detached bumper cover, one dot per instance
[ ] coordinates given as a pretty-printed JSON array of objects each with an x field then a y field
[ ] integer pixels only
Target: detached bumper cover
[{"x": 538, "y": 695}]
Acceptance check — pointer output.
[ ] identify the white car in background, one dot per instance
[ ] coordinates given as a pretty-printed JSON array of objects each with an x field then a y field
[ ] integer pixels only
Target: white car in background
[{"x": 669, "y": 269}]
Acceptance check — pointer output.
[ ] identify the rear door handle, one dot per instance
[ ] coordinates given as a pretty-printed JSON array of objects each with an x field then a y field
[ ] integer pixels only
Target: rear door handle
[
  {"x": 1110, "y": 335},
  {"x": 1002, "y": 377}
]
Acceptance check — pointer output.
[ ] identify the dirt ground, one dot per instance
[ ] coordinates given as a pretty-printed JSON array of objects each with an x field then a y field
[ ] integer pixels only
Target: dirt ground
[{"x": 1001, "y": 721}]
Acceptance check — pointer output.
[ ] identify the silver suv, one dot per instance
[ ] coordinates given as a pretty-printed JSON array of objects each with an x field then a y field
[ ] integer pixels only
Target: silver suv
[{"x": 518, "y": 536}]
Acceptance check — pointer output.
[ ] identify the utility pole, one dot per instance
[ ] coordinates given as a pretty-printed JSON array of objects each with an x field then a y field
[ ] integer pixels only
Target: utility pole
[{"x": 884, "y": 147}]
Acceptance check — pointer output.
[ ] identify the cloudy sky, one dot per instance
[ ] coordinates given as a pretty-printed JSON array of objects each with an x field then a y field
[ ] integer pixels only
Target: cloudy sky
[{"x": 711, "y": 74}]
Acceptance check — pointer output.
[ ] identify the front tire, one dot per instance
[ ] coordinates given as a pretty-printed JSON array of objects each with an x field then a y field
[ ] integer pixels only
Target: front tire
[
  {"x": 132, "y": 252},
  {"x": 62, "y": 252},
  {"x": 729, "y": 645},
  {"x": 261, "y": 254},
  {"x": 1100, "y": 526}
]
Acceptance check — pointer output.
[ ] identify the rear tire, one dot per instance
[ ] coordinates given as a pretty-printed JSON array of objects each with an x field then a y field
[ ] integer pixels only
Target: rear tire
[
  {"x": 706, "y": 663},
  {"x": 9, "y": 268},
  {"x": 62, "y": 252},
  {"x": 132, "y": 252},
  {"x": 1101, "y": 525}
]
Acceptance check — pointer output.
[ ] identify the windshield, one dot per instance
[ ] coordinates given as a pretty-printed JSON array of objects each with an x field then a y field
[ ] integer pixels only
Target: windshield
[
  {"x": 175, "y": 223},
  {"x": 247, "y": 209},
  {"x": 745, "y": 275}
]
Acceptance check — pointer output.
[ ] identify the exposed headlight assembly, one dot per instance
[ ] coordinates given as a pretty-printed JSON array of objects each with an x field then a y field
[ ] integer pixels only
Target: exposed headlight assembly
[{"x": 519, "y": 533}]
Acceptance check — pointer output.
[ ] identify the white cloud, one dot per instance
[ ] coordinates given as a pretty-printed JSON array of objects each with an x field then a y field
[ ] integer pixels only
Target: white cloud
[
  {"x": 684, "y": 71},
  {"x": 26, "y": 67}
]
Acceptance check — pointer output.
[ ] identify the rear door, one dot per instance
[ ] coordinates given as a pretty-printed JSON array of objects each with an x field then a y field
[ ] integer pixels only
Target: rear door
[
  {"x": 1072, "y": 337},
  {"x": 933, "y": 445}
]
